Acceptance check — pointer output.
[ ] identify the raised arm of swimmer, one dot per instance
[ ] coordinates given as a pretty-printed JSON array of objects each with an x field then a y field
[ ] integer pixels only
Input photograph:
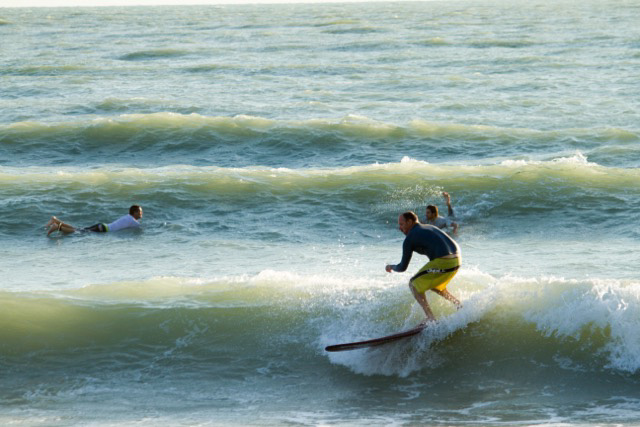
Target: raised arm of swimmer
[
  {"x": 434, "y": 218},
  {"x": 447, "y": 200}
]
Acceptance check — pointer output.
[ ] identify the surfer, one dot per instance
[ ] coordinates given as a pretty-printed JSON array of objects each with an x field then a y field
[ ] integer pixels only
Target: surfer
[
  {"x": 444, "y": 260},
  {"x": 433, "y": 218},
  {"x": 127, "y": 221}
]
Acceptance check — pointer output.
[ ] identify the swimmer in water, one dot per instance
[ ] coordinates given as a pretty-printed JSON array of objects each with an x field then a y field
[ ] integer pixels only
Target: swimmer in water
[{"x": 433, "y": 218}]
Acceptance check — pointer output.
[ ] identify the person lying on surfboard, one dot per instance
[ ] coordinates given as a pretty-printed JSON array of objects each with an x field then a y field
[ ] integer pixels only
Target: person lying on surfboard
[
  {"x": 444, "y": 260},
  {"x": 128, "y": 221}
]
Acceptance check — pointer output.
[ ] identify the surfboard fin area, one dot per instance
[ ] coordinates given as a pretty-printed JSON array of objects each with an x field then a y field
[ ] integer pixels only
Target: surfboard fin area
[{"x": 376, "y": 341}]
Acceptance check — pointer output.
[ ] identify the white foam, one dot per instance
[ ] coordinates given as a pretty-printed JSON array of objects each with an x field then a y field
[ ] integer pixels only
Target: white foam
[
  {"x": 407, "y": 356},
  {"x": 611, "y": 306},
  {"x": 590, "y": 309},
  {"x": 575, "y": 159}
]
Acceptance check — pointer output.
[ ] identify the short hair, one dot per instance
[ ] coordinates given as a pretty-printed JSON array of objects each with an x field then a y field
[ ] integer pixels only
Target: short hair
[
  {"x": 410, "y": 215},
  {"x": 433, "y": 209},
  {"x": 134, "y": 208}
]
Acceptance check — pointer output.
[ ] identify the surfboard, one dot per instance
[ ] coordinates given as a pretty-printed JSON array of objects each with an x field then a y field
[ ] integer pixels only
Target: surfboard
[{"x": 376, "y": 341}]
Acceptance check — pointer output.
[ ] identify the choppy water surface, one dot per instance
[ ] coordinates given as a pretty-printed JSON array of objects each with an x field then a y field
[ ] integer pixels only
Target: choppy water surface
[{"x": 272, "y": 148}]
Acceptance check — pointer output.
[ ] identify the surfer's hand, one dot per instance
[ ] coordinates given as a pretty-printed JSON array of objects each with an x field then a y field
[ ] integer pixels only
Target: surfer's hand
[{"x": 389, "y": 268}]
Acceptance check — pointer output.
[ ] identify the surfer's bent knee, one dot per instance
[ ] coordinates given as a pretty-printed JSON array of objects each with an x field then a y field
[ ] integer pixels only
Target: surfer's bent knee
[{"x": 412, "y": 287}]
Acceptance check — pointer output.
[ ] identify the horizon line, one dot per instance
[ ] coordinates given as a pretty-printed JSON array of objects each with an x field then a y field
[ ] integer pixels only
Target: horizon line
[{"x": 132, "y": 3}]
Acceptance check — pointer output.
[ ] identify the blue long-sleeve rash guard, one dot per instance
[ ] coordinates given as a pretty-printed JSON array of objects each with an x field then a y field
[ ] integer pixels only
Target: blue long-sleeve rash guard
[{"x": 426, "y": 240}]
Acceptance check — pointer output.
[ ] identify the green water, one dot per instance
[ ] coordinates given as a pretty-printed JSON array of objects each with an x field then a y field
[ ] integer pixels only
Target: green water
[{"x": 272, "y": 148}]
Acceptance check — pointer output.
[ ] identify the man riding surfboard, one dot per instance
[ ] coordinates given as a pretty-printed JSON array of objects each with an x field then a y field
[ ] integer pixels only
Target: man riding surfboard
[{"x": 444, "y": 260}]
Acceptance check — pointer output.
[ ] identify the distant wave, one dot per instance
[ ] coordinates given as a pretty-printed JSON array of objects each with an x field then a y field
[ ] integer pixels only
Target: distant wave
[
  {"x": 355, "y": 30},
  {"x": 434, "y": 41},
  {"x": 573, "y": 170},
  {"x": 482, "y": 44},
  {"x": 343, "y": 21},
  {"x": 504, "y": 43},
  {"x": 265, "y": 141},
  {"x": 351, "y": 125},
  {"x": 42, "y": 70},
  {"x": 123, "y": 105},
  {"x": 508, "y": 189},
  {"x": 154, "y": 54}
]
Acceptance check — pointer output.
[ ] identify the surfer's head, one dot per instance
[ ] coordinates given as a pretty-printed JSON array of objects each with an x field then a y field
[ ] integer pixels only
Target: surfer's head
[
  {"x": 432, "y": 212},
  {"x": 136, "y": 211},
  {"x": 407, "y": 220}
]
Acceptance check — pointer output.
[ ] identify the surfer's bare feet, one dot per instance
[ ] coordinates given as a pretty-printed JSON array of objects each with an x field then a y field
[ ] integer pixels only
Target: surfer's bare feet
[
  {"x": 54, "y": 227},
  {"x": 52, "y": 221},
  {"x": 426, "y": 321}
]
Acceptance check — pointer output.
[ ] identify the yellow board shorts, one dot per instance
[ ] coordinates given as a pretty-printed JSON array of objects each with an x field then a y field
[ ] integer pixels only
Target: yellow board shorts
[{"x": 436, "y": 274}]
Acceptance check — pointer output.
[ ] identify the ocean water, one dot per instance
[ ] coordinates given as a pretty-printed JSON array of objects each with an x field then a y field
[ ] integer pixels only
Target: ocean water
[{"x": 272, "y": 148}]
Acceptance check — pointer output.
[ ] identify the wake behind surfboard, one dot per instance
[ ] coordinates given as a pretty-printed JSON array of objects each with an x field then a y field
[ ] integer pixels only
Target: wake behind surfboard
[{"x": 376, "y": 341}]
